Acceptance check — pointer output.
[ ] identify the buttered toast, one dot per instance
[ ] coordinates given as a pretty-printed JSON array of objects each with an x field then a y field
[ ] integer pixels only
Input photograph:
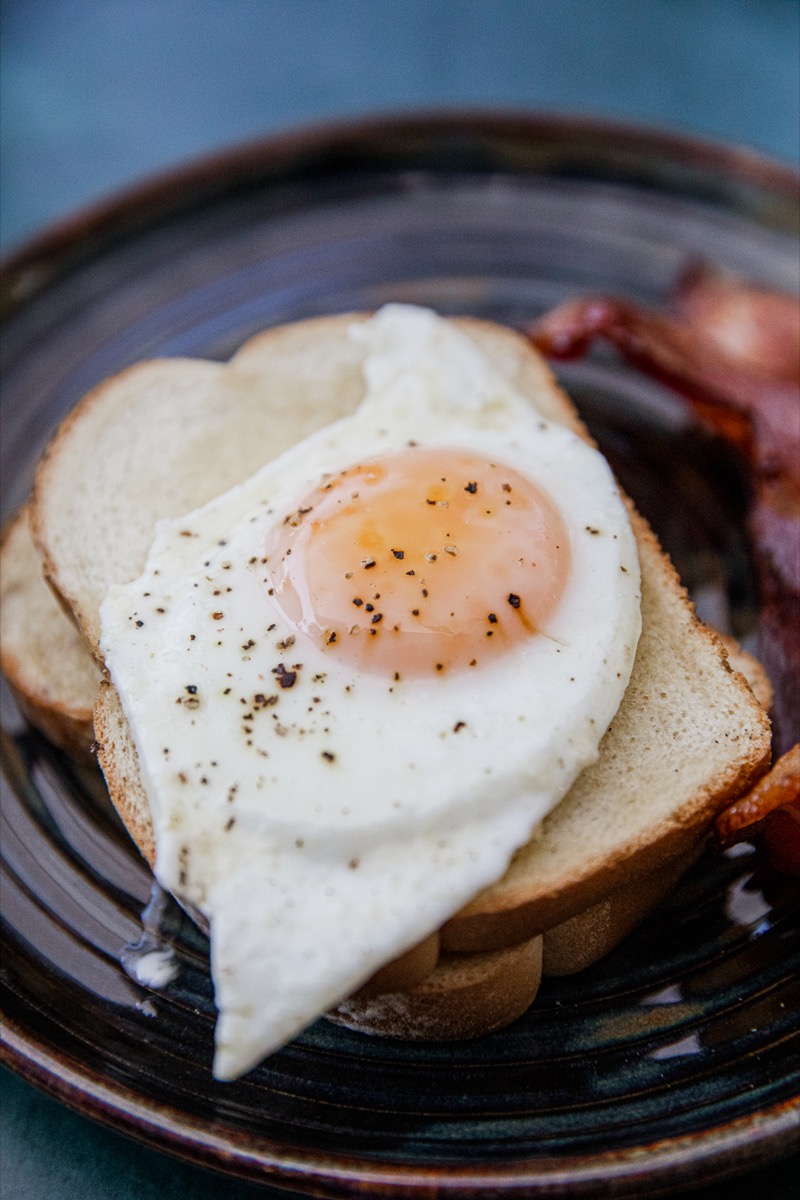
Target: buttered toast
[{"x": 687, "y": 738}]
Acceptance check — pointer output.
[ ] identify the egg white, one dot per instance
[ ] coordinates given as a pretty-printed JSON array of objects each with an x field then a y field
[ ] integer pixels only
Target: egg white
[{"x": 326, "y": 831}]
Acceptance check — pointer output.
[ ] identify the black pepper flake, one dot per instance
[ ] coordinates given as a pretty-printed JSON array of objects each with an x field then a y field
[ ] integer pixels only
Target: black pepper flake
[
  {"x": 248, "y": 645},
  {"x": 358, "y": 601},
  {"x": 191, "y": 688},
  {"x": 440, "y": 666},
  {"x": 471, "y": 488},
  {"x": 415, "y": 612},
  {"x": 328, "y": 756},
  {"x": 160, "y": 610},
  {"x": 506, "y": 487},
  {"x": 430, "y": 501},
  {"x": 425, "y": 591},
  {"x": 399, "y": 554},
  {"x": 369, "y": 608},
  {"x": 139, "y": 624},
  {"x": 594, "y": 532},
  {"x": 409, "y": 572},
  {"x": 513, "y": 600},
  {"x": 459, "y": 725},
  {"x": 286, "y": 679},
  {"x": 229, "y": 824},
  {"x": 367, "y": 563},
  {"x": 331, "y": 638},
  {"x": 492, "y": 618},
  {"x": 376, "y": 618}
]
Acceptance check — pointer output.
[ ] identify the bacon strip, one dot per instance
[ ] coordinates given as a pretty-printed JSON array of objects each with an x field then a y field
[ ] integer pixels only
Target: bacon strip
[
  {"x": 733, "y": 352},
  {"x": 758, "y": 328},
  {"x": 781, "y": 785},
  {"x": 758, "y": 414},
  {"x": 770, "y": 810}
]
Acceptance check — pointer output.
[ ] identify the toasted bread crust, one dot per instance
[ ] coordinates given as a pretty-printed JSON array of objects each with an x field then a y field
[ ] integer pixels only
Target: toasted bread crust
[
  {"x": 466, "y": 996},
  {"x": 43, "y": 657}
]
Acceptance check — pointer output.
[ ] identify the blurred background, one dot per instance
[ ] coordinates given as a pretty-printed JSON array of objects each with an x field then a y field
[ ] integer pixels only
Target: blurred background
[{"x": 98, "y": 94}]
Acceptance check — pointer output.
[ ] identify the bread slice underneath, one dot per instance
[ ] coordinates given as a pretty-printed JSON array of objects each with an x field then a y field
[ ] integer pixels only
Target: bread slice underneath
[
  {"x": 466, "y": 996},
  {"x": 44, "y": 658}
]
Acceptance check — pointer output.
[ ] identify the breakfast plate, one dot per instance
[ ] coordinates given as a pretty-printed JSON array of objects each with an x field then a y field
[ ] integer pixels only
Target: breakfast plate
[{"x": 678, "y": 1056}]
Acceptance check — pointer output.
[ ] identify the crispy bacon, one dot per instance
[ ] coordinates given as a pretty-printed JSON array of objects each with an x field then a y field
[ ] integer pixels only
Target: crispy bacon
[
  {"x": 756, "y": 327},
  {"x": 760, "y": 415},
  {"x": 733, "y": 352},
  {"x": 770, "y": 810}
]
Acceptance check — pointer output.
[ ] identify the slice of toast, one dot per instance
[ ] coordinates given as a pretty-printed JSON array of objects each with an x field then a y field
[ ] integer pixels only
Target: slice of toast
[
  {"x": 44, "y": 658},
  {"x": 689, "y": 735},
  {"x": 466, "y": 996}
]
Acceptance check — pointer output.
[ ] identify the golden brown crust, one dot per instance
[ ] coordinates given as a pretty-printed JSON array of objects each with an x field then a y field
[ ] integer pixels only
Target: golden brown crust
[
  {"x": 119, "y": 763},
  {"x": 587, "y": 937},
  {"x": 747, "y": 665},
  {"x": 465, "y": 997},
  {"x": 49, "y": 670},
  {"x": 406, "y": 971}
]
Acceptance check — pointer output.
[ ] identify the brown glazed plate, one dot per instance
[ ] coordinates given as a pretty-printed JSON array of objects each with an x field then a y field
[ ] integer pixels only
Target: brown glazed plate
[{"x": 674, "y": 1061}]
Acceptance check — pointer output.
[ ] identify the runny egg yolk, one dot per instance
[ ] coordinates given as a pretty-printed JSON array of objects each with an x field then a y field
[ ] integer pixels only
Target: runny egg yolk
[{"x": 420, "y": 561}]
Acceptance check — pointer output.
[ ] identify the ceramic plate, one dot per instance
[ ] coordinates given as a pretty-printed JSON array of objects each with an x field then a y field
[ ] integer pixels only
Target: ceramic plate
[{"x": 677, "y": 1057}]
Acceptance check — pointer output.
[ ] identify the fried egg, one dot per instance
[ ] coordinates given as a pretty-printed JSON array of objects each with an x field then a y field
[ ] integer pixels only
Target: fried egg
[{"x": 359, "y": 680}]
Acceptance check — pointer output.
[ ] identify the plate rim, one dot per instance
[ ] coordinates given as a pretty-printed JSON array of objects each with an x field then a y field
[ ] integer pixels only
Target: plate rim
[
  {"x": 736, "y": 1146},
  {"x": 158, "y": 189}
]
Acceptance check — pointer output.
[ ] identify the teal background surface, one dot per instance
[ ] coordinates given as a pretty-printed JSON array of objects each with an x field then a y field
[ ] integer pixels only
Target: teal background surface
[{"x": 96, "y": 94}]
